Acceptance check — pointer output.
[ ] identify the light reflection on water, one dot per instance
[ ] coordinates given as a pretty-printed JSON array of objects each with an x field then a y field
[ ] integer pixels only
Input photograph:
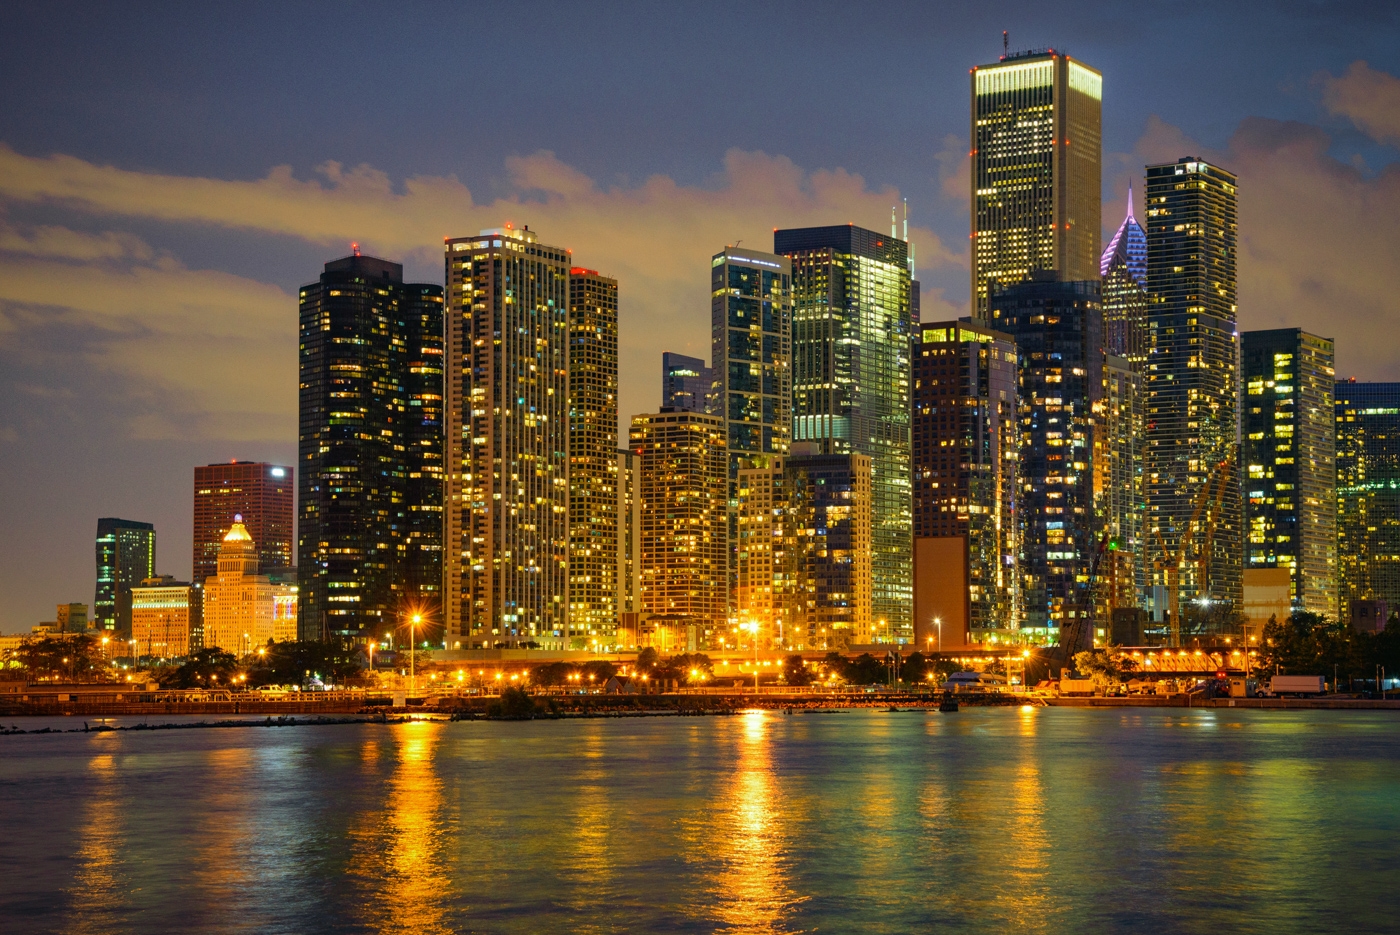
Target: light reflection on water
[{"x": 1002, "y": 820}]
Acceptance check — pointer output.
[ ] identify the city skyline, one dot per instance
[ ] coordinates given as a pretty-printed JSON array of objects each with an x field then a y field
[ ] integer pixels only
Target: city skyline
[{"x": 48, "y": 237}]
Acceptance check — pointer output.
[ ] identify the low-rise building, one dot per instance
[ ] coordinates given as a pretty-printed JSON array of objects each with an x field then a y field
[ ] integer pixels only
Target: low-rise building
[{"x": 160, "y": 618}]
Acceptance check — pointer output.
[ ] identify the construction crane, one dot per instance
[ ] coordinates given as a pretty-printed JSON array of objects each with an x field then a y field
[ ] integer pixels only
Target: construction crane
[{"x": 1216, "y": 481}]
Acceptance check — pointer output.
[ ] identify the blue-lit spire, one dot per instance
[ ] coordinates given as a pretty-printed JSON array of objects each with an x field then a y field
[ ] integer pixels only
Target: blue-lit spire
[{"x": 1131, "y": 244}]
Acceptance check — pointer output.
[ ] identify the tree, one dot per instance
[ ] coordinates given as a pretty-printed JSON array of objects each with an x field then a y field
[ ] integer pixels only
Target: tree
[
  {"x": 551, "y": 673},
  {"x": 865, "y": 669},
  {"x": 1099, "y": 665},
  {"x": 647, "y": 659},
  {"x": 71, "y": 657},
  {"x": 795, "y": 671},
  {"x": 515, "y": 704},
  {"x": 204, "y": 668},
  {"x": 292, "y": 662}
]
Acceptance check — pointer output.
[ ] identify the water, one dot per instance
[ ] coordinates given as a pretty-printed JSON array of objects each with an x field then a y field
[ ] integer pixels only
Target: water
[{"x": 989, "y": 820}]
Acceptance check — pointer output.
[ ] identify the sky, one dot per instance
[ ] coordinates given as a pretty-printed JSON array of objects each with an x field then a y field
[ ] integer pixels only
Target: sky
[{"x": 171, "y": 173}]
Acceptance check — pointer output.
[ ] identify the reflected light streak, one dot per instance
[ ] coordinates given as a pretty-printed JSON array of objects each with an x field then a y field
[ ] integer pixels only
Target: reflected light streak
[{"x": 97, "y": 889}]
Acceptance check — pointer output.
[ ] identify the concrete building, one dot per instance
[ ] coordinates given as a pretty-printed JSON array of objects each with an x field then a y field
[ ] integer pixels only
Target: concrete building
[
  {"x": 126, "y": 556},
  {"x": 686, "y": 383},
  {"x": 72, "y": 618},
  {"x": 629, "y": 534},
  {"x": 1368, "y": 493},
  {"x": 243, "y": 609},
  {"x": 161, "y": 618},
  {"x": 1036, "y": 170}
]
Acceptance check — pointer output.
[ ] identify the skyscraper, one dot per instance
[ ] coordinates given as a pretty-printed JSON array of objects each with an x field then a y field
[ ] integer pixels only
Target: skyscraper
[
  {"x": 370, "y": 449},
  {"x": 1125, "y": 300},
  {"x": 1192, "y": 384},
  {"x": 1058, "y": 329},
  {"x": 850, "y": 393},
  {"x": 1118, "y": 467},
  {"x": 751, "y": 341},
  {"x": 629, "y": 533},
  {"x": 686, "y": 383},
  {"x": 507, "y": 526},
  {"x": 263, "y": 494},
  {"x": 592, "y": 458},
  {"x": 1368, "y": 493},
  {"x": 683, "y": 472},
  {"x": 966, "y": 443},
  {"x": 126, "y": 556},
  {"x": 244, "y": 609},
  {"x": 1036, "y": 169},
  {"x": 828, "y": 531}
]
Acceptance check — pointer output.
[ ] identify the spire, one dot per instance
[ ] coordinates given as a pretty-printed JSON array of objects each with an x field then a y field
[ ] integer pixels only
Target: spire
[{"x": 1129, "y": 244}]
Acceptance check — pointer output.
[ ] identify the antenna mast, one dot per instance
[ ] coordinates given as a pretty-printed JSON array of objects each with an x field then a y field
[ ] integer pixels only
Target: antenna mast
[{"x": 1005, "y": 44}]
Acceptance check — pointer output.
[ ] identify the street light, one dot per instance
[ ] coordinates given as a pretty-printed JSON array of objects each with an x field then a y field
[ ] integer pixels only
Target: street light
[
  {"x": 412, "y": 648},
  {"x": 938, "y": 622},
  {"x": 752, "y": 627},
  {"x": 371, "y": 655}
]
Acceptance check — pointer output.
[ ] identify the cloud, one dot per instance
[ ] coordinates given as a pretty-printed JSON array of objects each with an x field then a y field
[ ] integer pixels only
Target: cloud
[{"x": 1368, "y": 98}]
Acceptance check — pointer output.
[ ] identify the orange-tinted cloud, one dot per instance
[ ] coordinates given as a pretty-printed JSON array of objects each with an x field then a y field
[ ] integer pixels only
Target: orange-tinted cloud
[{"x": 1368, "y": 98}]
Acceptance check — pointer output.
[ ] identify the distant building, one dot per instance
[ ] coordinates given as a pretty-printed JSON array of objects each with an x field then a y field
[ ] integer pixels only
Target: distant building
[
  {"x": 1118, "y": 486},
  {"x": 851, "y": 329},
  {"x": 370, "y": 449},
  {"x": 629, "y": 534},
  {"x": 507, "y": 526},
  {"x": 1192, "y": 380},
  {"x": 1036, "y": 169},
  {"x": 126, "y": 556},
  {"x": 1290, "y": 472},
  {"x": 1368, "y": 493},
  {"x": 72, "y": 618},
  {"x": 263, "y": 494},
  {"x": 243, "y": 609},
  {"x": 686, "y": 383},
  {"x": 593, "y": 478},
  {"x": 160, "y": 618},
  {"x": 1058, "y": 330},
  {"x": 966, "y": 445},
  {"x": 751, "y": 338},
  {"x": 683, "y": 471}
]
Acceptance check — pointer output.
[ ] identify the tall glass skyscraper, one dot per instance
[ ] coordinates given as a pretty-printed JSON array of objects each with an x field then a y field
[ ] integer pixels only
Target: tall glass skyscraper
[
  {"x": 851, "y": 330},
  {"x": 126, "y": 556},
  {"x": 1192, "y": 381},
  {"x": 1289, "y": 454},
  {"x": 370, "y": 408},
  {"x": 507, "y": 403},
  {"x": 1368, "y": 493},
  {"x": 1036, "y": 170},
  {"x": 751, "y": 350}
]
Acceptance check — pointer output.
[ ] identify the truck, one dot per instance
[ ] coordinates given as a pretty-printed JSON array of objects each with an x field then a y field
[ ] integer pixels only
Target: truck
[{"x": 1296, "y": 685}]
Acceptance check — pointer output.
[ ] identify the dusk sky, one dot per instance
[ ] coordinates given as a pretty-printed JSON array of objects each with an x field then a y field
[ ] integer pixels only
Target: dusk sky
[{"x": 170, "y": 174}]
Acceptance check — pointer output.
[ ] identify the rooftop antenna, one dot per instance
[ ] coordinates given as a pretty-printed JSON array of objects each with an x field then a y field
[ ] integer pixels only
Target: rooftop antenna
[
  {"x": 355, "y": 249},
  {"x": 906, "y": 220},
  {"x": 1005, "y": 44},
  {"x": 894, "y": 226}
]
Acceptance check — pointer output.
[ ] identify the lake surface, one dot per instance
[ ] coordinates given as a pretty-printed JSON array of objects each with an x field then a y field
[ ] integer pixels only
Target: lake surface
[{"x": 989, "y": 820}]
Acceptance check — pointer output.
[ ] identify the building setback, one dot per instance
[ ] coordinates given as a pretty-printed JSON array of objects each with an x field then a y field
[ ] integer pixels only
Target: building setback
[
  {"x": 1036, "y": 170},
  {"x": 370, "y": 448},
  {"x": 1058, "y": 329},
  {"x": 683, "y": 471},
  {"x": 263, "y": 494},
  {"x": 126, "y": 556},
  {"x": 507, "y": 389},
  {"x": 1289, "y": 456},
  {"x": 686, "y": 383},
  {"x": 1192, "y": 382},
  {"x": 851, "y": 330},
  {"x": 966, "y": 435},
  {"x": 593, "y": 512},
  {"x": 1368, "y": 493}
]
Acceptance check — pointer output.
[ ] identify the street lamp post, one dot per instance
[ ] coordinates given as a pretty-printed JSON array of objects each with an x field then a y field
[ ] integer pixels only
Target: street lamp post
[
  {"x": 752, "y": 627},
  {"x": 371, "y": 655},
  {"x": 412, "y": 648},
  {"x": 938, "y": 622}
]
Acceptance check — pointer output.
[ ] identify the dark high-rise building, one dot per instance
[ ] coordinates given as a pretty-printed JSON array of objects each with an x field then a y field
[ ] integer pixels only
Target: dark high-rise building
[
  {"x": 751, "y": 341},
  {"x": 370, "y": 449},
  {"x": 593, "y": 464},
  {"x": 686, "y": 383},
  {"x": 507, "y": 389},
  {"x": 1036, "y": 170},
  {"x": 1058, "y": 329},
  {"x": 1368, "y": 493},
  {"x": 965, "y": 450},
  {"x": 263, "y": 494},
  {"x": 851, "y": 335},
  {"x": 1192, "y": 383},
  {"x": 126, "y": 556},
  {"x": 1126, "y": 303},
  {"x": 1289, "y": 458}
]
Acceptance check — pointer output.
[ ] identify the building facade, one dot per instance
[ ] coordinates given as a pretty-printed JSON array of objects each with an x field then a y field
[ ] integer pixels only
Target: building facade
[
  {"x": 751, "y": 350},
  {"x": 629, "y": 533},
  {"x": 686, "y": 383},
  {"x": 1368, "y": 493},
  {"x": 1289, "y": 462},
  {"x": 1118, "y": 485},
  {"x": 1058, "y": 330},
  {"x": 965, "y": 431},
  {"x": 263, "y": 494},
  {"x": 370, "y": 448},
  {"x": 683, "y": 484},
  {"x": 244, "y": 609},
  {"x": 593, "y": 516},
  {"x": 126, "y": 556},
  {"x": 1192, "y": 384},
  {"x": 852, "y": 326},
  {"x": 161, "y": 618},
  {"x": 507, "y": 387},
  {"x": 1036, "y": 170},
  {"x": 829, "y": 530}
]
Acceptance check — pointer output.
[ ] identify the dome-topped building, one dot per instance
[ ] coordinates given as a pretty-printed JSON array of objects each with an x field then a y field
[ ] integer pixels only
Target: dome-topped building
[{"x": 243, "y": 609}]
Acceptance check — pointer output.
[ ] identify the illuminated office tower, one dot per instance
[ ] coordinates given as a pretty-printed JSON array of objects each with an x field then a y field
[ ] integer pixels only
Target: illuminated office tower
[
  {"x": 160, "y": 618},
  {"x": 1118, "y": 466},
  {"x": 686, "y": 383},
  {"x": 1289, "y": 454},
  {"x": 1058, "y": 329},
  {"x": 1368, "y": 493},
  {"x": 242, "y": 608},
  {"x": 263, "y": 494},
  {"x": 763, "y": 589},
  {"x": 965, "y": 450},
  {"x": 592, "y": 458},
  {"x": 629, "y": 533},
  {"x": 1123, "y": 266},
  {"x": 683, "y": 480},
  {"x": 851, "y": 330},
  {"x": 370, "y": 449},
  {"x": 126, "y": 556},
  {"x": 751, "y": 347},
  {"x": 1036, "y": 170},
  {"x": 507, "y": 526},
  {"x": 1192, "y": 385},
  {"x": 827, "y": 566}
]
